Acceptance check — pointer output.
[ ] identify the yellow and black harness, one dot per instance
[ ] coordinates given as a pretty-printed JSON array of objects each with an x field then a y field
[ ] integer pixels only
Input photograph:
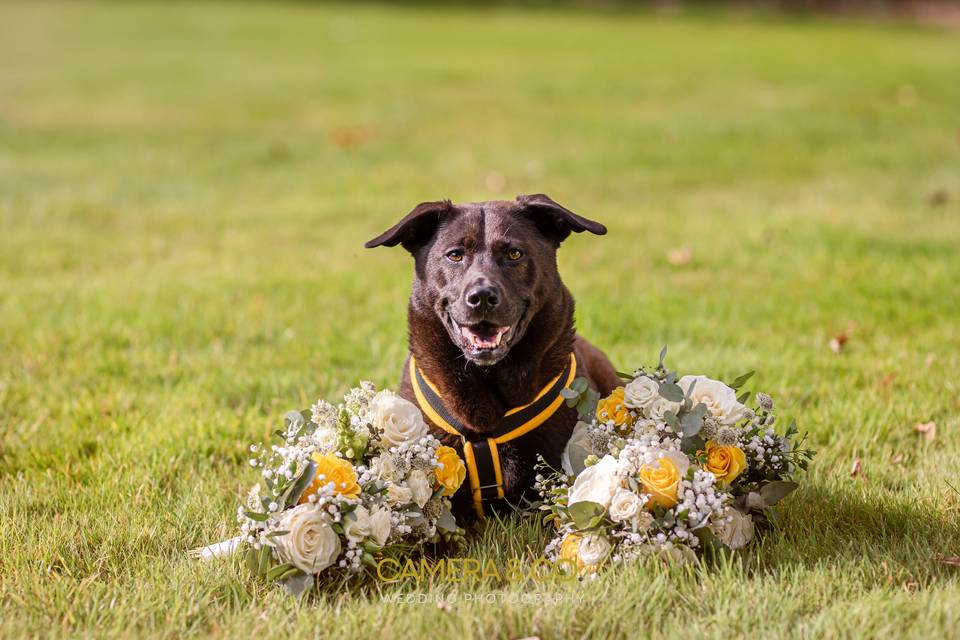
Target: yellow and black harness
[{"x": 480, "y": 450}]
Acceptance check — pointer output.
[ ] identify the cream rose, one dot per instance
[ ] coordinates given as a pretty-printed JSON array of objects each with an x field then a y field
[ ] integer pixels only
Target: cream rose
[
  {"x": 398, "y": 495},
  {"x": 380, "y": 525},
  {"x": 356, "y": 525},
  {"x": 311, "y": 544},
  {"x": 580, "y": 441},
  {"x": 641, "y": 393},
  {"x": 386, "y": 468},
  {"x": 624, "y": 506},
  {"x": 399, "y": 420},
  {"x": 661, "y": 406},
  {"x": 735, "y": 530},
  {"x": 325, "y": 438},
  {"x": 721, "y": 400},
  {"x": 593, "y": 550},
  {"x": 642, "y": 521},
  {"x": 673, "y": 554},
  {"x": 597, "y": 483},
  {"x": 420, "y": 487}
]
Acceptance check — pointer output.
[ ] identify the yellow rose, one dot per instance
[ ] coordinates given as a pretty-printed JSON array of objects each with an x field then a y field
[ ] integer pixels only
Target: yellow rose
[
  {"x": 569, "y": 556},
  {"x": 613, "y": 408},
  {"x": 453, "y": 472},
  {"x": 660, "y": 483},
  {"x": 336, "y": 470},
  {"x": 725, "y": 462}
]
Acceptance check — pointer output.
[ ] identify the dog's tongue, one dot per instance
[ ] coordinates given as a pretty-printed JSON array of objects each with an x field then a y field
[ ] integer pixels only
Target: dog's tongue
[{"x": 483, "y": 336}]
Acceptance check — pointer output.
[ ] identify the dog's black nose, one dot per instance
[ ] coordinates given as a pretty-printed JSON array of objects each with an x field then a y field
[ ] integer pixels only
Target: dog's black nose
[{"x": 483, "y": 298}]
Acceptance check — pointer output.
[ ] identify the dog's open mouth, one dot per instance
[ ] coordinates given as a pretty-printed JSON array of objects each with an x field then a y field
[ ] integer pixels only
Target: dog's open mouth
[{"x": 484, "y": 336}]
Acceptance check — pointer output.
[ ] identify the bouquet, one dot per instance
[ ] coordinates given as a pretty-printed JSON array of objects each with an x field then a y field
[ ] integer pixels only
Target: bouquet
[
  {"x": 346, "y": 486},
  {"x": 666, "y": 466}
]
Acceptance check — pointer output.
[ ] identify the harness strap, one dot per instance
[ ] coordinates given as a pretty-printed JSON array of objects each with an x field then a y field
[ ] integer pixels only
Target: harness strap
[{"x": 480, "y": 450}]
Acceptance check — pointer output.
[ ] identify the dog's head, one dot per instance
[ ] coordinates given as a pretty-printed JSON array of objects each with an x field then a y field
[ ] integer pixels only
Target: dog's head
[{"x": 487, "y": 268}]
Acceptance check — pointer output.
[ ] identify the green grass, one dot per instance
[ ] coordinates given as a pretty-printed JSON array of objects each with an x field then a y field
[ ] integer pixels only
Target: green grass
[{"x": 184, "y": 191}]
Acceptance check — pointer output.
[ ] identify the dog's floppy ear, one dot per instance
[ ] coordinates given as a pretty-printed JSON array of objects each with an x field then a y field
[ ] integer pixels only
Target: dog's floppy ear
[
  {"x": 415, "y": 228},
  {"x": 553, "y": 220}
]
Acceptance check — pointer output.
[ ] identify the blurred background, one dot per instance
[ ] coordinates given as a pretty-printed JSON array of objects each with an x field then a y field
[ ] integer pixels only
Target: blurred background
[{"x": 185, "y": 189}]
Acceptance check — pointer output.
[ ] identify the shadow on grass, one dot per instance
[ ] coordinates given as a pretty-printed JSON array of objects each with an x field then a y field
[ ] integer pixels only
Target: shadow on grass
[{"x": 862, "y": 528}]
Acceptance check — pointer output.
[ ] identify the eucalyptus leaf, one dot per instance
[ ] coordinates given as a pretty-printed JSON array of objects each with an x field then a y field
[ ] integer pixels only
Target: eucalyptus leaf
[
  {"x": 583, "y": 513},
  {"x": 292, "y": 495},
  {"x": 297, "y": 583},
  {"x": 580, "y": 385},
  {"x": 569, "y": 394},
  {"x": 446, "y": 521},
  {"x": 774, "y": 492},
  {"x": 692, "y": 421},
  {"x": 577, "y": 454},
  {"x": 624, "y": 376},
  {"x": 588, "y": 403},
  {"x": 743, "y": 397},
  {"x": 692, "y": 444},
  {"x": 663, "y": 354},
  {"x": 741, "y": 380},
  {"x": 255, "y": 515},
  {"x": 671, "y": 419},
  {"x": 671, "y": 392}
]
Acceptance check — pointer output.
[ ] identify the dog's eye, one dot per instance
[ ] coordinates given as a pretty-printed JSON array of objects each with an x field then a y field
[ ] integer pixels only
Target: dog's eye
[
  {"x": 455, "y": 255},
  {"x": 514, "y": 254}
]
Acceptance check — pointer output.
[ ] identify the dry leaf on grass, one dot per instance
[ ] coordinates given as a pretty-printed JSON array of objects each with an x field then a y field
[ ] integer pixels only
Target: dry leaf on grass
[
  {"x": 953, "y": 561},
  {"x": 938, "y": 198},
  {"x": 887, "y": 380},
  {"x": 837, "y": 342},
  {"x": 927, "y": 429},
  {"x": 855, "y": 469},
  {"x": 897, "y": 458},
  {"x": 680, "y": 257},
  {"x": 351, "y": 137}
]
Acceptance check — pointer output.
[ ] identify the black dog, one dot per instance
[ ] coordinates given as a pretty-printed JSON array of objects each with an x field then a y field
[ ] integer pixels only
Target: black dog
[{"x": 491, "y": 326}]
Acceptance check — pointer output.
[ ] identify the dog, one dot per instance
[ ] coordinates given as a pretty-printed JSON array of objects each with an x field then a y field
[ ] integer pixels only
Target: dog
[{"x": 490, "y": 325}]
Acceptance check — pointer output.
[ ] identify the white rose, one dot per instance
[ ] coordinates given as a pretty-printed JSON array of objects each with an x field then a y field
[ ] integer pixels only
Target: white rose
[
  {"x": 624, "y": 505},
  {"x": 593, "y": 549},
  {"x": 641, "y": 393},
  {"x": 398, "y": 495},
  {"x": 356, "y": 525},
  {"x": 420, "y": 486},
  {"x": 386, "y": 468},
  {"x": 597, "y": 483},
  {"x": 579, "y": 440},
  {"x": 721, "y": 400},
  {"x": 399, "y": 420},
  {"x": 642, "y": 521},
  {"x": 661, "y": 406},
  {"x": 325, "y": 438},
  {"x": 735, "y": 529},
  {"x": 380, "y": 526},
  {"x": 672, "y": 554},
  {"x": 311, "y": 544}
]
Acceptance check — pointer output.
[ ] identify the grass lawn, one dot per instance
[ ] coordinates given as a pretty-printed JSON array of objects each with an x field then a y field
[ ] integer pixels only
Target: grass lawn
[{"x": 184, "y": 192}]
